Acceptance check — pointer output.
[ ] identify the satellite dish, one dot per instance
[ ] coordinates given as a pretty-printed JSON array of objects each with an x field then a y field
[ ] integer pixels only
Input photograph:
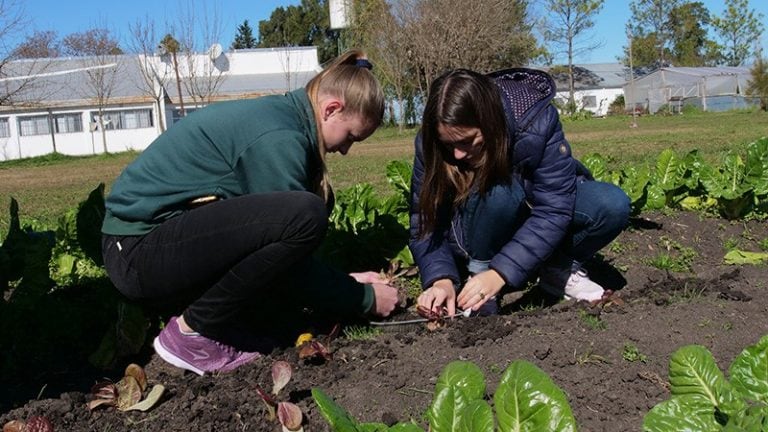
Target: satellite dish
[{"x": 215, "y": 51}]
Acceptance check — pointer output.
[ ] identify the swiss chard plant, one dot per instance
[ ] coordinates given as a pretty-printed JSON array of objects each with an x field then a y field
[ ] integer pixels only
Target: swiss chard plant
[
  {"x": 366, "y": 230},
  {"x": 703, "y": 400},
  {"x": 526, "y": 399}
]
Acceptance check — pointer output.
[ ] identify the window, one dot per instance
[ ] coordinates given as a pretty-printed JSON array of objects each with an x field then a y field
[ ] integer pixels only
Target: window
[
  {"x": 589, "y": 101},
  {"x": 177, "y": 113},
  {"x": 126, "y": 119},
  {"x": 5, "y": 129},
  {"x": 66, "y": 123},
  {"x": 34, "y": 125}
]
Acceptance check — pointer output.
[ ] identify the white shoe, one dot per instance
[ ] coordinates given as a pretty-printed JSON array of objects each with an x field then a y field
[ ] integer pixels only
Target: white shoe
[
  {"x": 571, "y": 283},
  {"x": 580, "y": 287}
]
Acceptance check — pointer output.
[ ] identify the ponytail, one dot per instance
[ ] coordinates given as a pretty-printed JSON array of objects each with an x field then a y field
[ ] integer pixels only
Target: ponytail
[{"x": 348, "y": 77}]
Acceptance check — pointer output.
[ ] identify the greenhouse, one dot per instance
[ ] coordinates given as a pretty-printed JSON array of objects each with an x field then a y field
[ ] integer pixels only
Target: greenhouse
[{"x": 707, "y": 88}]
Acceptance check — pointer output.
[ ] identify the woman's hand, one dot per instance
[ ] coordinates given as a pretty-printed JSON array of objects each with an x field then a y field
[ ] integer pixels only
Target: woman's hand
[
  {"x": 479, "y": 288},
  {"x": 440, "y": 294},
  {"x": 385, "y": 299},
  {"x": 369, "y": 277}
]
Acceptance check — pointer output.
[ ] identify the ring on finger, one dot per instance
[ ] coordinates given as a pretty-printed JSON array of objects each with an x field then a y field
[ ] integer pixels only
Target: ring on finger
[{"x": 482, "y": 295}]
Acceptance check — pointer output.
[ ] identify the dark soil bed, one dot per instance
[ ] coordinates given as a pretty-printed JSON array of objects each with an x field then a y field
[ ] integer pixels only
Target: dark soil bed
[{"x": 391, "y": 378}]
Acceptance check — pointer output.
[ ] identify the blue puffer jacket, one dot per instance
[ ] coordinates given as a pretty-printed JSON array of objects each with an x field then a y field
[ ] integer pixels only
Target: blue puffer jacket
[{"x": 541, "y": 161}]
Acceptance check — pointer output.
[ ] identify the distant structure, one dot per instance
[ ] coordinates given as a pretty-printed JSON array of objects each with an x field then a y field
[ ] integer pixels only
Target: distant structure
[
  {"x": 62, "y": 104},
  {"x": 596, "y": 85},
  {"x": 708, "y": 88}
]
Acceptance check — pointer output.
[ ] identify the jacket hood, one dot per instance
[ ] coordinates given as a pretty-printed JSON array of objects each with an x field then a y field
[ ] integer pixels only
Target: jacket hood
[{"x": 524, "y": 92}]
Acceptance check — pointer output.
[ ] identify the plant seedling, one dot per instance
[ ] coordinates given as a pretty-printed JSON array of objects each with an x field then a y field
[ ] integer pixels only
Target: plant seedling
[
  {"x": 313, "y": 349},
  {"x": 126, "y": 394},
  {"x": 632, "y": 354},
  {"x": 288, "y": 414},
  {"x": 33, "y": 424}
]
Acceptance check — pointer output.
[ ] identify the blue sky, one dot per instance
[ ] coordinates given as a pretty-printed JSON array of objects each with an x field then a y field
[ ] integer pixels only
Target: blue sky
[{"x": 68, "y": 17}]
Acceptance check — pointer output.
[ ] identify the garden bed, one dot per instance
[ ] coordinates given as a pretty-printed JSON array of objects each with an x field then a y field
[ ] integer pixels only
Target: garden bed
[{"x": 611, "y": 361}]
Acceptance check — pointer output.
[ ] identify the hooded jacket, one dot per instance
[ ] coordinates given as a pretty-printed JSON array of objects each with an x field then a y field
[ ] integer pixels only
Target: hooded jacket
[{"x": 541, "y": 161}]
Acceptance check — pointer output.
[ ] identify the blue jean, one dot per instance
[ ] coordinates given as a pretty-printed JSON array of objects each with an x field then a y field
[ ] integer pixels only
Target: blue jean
[{"x": 601, "y": 212}]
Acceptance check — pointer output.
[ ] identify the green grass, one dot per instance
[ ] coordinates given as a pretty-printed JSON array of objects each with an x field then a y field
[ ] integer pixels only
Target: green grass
[{"x": 47, "y": 186}]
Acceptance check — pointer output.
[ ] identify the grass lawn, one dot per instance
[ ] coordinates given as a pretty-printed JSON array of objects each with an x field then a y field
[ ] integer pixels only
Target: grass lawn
[{"x": 46, "y": 187}]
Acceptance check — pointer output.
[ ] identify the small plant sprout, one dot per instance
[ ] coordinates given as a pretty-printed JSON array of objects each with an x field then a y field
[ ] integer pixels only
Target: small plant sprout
[
  {"x": 126, "y": 394},
  {"x": 314, "y": 350},
  {"x": 632, "y": 354},
  {"x": 288, "y": 414}
]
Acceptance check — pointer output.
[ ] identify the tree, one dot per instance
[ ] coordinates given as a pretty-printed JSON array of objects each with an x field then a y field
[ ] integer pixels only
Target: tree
[
  {"x": 690, "y": 43},
  {"x": 738, "y": 28},
  {"x": 378, "y": 26},
  {"x": 758, "y": 84},
  {"x": 651, "y": 17},
  {"x": 244, "y": 38},
  {"x": 101, "y": 62},
  {"x": 93, "y": 42},
  {"x": 171, "y": 47},
  {"x": 153, "y": 77},
  {"x": 199, "y": 32},
  {"x": 307, "y": 24},
  {"x": 39, "y": 45},
  {"x": 568, "y": 22},
  {"x": 448, "y": 34}
]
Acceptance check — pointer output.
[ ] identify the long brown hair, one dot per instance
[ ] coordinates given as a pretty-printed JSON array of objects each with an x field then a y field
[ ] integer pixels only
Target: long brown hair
[
  {"x": 467, "y": 99},
  {"x": 357, "y": 87}
]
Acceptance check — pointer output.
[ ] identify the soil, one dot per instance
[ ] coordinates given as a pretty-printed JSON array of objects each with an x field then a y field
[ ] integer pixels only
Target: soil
[{"x": 391, "y": 377}]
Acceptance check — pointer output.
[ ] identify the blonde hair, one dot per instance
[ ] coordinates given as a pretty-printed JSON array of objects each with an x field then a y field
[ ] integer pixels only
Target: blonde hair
[{"x": 357, "y": 87}]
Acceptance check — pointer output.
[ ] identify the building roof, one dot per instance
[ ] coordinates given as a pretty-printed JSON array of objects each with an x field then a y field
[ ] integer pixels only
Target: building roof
[
  {"x": 74, "y": 81},
  {"x": 590, "y": 76}
]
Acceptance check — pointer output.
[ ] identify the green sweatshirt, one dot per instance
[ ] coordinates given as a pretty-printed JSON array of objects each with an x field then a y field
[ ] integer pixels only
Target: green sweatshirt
[{"x": 227, "y": 149}]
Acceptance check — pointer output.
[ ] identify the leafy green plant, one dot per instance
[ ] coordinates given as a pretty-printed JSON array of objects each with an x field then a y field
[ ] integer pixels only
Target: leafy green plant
[
  {"x": 741, "y": 257},
  {"x": 632, "y": 354},
  {"x": 367, "y": 231},
  {"x": 702, "y": 399},
  {"x": 526, "y": 399}
]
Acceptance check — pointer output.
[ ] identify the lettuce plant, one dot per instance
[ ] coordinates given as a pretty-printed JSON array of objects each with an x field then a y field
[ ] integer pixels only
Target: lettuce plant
[
  {"x": 525, "y": 400},
  {"x": 703, "y": 400}
]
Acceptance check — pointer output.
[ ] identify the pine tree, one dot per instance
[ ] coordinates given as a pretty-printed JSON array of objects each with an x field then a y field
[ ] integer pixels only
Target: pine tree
[{"x": 244, "y": 37}]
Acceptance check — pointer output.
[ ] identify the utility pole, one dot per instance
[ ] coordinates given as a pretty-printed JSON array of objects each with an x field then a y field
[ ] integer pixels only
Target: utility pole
[{"x": 631, "y": 80}]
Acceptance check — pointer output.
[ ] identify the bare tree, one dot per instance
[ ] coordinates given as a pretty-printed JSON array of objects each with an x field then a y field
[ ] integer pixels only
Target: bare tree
[
  {"x": 93, "y": 42},
  {"x": 41, "y": 44},
  {"x": 17, "y": 79},
  {"x": 200, "y": 31},
  {"x": 153, "y": 77},
  {"x": 101, "y": 62},
  {"x": 482, "y": 35},
  {"x": 379, "y": 26},
  {"x": 568, "y": 22}
]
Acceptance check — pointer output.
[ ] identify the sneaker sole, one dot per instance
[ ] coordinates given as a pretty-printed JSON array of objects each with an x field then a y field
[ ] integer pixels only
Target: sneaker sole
[{"x": 172, "y": 359}]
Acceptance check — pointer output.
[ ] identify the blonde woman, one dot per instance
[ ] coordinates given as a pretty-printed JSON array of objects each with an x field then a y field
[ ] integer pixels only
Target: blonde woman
[{"x": 223, "y": 209}]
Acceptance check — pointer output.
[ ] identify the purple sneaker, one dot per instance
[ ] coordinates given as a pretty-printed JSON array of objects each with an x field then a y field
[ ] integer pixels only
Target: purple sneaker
[{"x": 197, "y": 353}]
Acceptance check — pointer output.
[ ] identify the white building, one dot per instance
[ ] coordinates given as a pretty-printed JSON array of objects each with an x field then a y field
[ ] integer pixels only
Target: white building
[
  {"x": 49, "y": 105},
  {"x": 596, "y": 85}
]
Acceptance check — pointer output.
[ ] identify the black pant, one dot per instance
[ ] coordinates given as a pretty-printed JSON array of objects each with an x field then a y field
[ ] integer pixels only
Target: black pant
[{"x": 220, "y": 257}]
